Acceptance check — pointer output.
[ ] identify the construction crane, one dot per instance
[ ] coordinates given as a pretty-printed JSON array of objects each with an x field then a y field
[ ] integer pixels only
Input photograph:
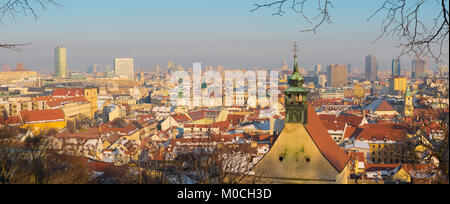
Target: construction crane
[{"x": 5, "y": 68}]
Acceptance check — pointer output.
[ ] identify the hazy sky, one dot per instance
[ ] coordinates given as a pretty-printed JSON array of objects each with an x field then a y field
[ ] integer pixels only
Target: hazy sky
[{"x": 219, "y": 32}]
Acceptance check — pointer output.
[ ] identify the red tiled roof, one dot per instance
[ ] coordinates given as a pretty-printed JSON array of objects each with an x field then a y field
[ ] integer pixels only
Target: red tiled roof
[
  {"x": 147, "y": 117},
  {"x": 181, "y": 118},
  {"x": 91, "y": 133},
  {"x": 68, "y": 92},
  {"x": 332, "y": 152},
  {"x": 235, "y": 119},
  {"x": 54, "y": 102},
  {"x": 380, "y": 167},
  {"x": 223, "y": 126},
  {"x": 385, "y": 106},
  {"x": 128, "y": 129},
  {"x": 42, "y": 115},
  {"x": 352, "y": 120},
  {"x": 349, "y": 132},
  {"x": 10, "y": 120},
  {"x": 381, "y": 132},
  {"x": 335, "y": 126},
  {"x": 420, "y": 168}
]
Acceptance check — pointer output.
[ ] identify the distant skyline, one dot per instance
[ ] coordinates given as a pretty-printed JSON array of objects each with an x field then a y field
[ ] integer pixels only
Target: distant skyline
[{"x": 212, "y": 32}]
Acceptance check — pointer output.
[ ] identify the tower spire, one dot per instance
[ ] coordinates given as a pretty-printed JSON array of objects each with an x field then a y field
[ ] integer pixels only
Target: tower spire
[{"x": 295, "y": 50}]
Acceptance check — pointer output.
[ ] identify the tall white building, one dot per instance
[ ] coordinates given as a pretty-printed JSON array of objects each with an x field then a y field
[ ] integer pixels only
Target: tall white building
[
  {"x": 60, "y": 62},
  {"x": 318, "y": 69},
  {"x": 124, "y": 68},
  {"x": 322, "y": 79}
]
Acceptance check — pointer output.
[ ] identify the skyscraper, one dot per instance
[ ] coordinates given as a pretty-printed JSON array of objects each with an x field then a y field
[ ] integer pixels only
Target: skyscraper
[
  {"x": 322, "y": 80},
  {"x": 124, "y": 68},
  {"x": 418, "y": 68},
  {"x": 60, "y": 62},
  {"x": 371, "y": 68},
  {"x": 337, "y": 75},
  {"x": 93, "y": 68},
  {"x": 396, "y": 67},
  {"x": 318, "y": 69}
]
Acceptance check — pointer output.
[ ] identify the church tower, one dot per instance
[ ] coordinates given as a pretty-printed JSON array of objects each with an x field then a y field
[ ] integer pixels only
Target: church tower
[
  {"x": 296, "y": 97},
  {"x": 304, "y": 152},
  {"x": 409, "y": 106}
]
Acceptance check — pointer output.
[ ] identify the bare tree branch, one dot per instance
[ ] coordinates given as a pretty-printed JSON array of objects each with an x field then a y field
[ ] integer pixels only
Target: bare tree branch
[
  {"x": 416, "y": 37},
  {"x": 12, "y": 8},
  {"x": 403, "y": 19},
  {"x": 300, "y": 6}
]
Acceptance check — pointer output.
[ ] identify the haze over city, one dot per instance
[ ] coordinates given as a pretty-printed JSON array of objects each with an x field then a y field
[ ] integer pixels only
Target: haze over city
[
  {"x": 224, "y": 92},
  {"x": 212, "y": 32}
]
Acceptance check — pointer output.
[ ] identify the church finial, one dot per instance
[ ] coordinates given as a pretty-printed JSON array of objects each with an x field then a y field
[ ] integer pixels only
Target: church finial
[{"x": 295, "y": 50}]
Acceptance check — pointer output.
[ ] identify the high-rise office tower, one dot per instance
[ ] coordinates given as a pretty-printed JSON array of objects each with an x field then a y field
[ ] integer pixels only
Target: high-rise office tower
[
  {"x": 318, "y": 69},
  {"x": 337, "y": 75},
  {"x": 124, "y": 68},
  {"x": 60, "y": 62},
  {"x": 349, "y": 69},
  {"x": 418, "y": 68},
  {"x": 322, "y": 79},
  {"x": 93, "y": 69},
  {"x": 371, "y": 68},
  {"x": 396, "y": 67}
]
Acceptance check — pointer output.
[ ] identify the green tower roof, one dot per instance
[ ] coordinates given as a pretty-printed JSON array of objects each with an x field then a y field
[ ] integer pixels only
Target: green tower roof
[
  {"x": 296, "y": 81},
  {"x": 204, "y": 85},
  {"x": 408, "y": 92}
]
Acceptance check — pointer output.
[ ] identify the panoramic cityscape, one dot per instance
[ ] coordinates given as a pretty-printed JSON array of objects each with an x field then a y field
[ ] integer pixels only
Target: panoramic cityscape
[{"x": 230, "y": 92}]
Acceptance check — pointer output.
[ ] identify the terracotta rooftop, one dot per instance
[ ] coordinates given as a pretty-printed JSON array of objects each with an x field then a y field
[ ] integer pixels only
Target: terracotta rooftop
[
  {"x": 332, "y": 152},
  {"x": 91, "y": 133},
  {"x": 223, "y": 126},
  {"x": 235, "y": 119},
  {"x": 382, "y": 132},
  {"x": 385, "y": 106},
  {"x": 55, "y": 102},
  {"x": 68, "y": 92},
  {"x": 181, "y": 118},
  {"x": 380, "y": 167},
  {"x": 352, "y": 120},
  {"x": 10, "y": 120},
  {"x": 335, "y": 125},
  {"x": 42, "y": 115},
  {"x": 349, "y": 132},
  {"x": 128, "y": 129}
]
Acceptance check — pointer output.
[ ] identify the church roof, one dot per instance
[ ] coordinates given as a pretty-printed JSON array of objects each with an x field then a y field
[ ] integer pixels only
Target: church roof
[
  {"x": 332, "y": 152},
  {"x": 380, "y": 105}
]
